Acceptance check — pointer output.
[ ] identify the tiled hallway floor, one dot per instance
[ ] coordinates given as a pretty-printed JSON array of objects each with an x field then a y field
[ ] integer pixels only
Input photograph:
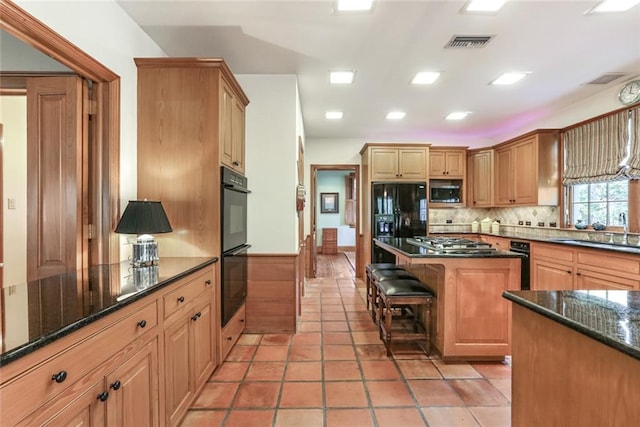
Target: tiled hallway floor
[{"x": 334, "y": 372}]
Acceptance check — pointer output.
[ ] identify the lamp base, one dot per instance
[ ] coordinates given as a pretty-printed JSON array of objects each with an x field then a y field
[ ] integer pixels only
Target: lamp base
[{"x": 144, "y": 253}]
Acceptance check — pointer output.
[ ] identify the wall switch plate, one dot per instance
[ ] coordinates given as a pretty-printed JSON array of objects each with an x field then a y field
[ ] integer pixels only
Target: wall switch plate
[
  {"x": 541, "y": 224},
  {"x": 520, "y": 222},
  {"x": 449, "y": 221},
  {"x": 553, "y": 224},
  {"x": 527, "y": 223},
  {"x": 11, "y": 203}
]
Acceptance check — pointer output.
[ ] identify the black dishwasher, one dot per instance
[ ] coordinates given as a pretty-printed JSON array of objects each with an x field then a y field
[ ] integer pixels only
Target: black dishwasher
[{"x": 523, "y": 248}]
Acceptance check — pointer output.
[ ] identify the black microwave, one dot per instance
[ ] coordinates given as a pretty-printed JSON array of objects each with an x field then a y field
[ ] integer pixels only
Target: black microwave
[{"x": 445, "y": 191}]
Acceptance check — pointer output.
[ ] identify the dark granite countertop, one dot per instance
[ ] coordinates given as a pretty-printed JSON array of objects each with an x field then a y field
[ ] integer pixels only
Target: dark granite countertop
[
  {"x": 610, "y": 317},
  {"x": 414, "y": 251},
  {"x": 617, "y": 247},
  {"x": 39, "y": 312}
]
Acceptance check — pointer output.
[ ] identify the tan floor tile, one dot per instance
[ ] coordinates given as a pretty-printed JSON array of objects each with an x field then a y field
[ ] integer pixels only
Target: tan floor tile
[
  {"x": 311, "y": 317},
  {"x": 241, "y": 353},
  {"x": 379, "y": 370},
  {"x": 276, "y": 339},
  {"x": 329, "y": 300},
  {"x": 334, "y": 316},
  {"x": 303, "y": 371},
  {"x": 336, "y": 338},
  {"x": 329, "y": 326},
  {"x": 301, "y": 353},
  {"x": 504, "y": 385},
  {"x": 449, "y": 417},
  {"x": 249, "y": 339},
  {"x": 338, "y": 352},
  {"x": 396, "y": 417},
  {"x": 332, "y": 308},
  {"x": 493, "y": 370},
  {"x": 301, "y": 395},
  {"x": 309, "y": 326},
  {"x": 257, "y": 395},
  {"x": 216, "y": 395},
  {"x": 265, "y": 371},
  {"x": 389, "y": 393},
  {"x": 456, "y": 370},
  {"x": 341, "y": 370},
  {"x": 203, "y": 418},
  {"x": 253, "y": 418},
  {"x": 492, "y": 416},
  {"x": 478, "y": 392},
  {"x": 299, "y": 418},
  {"x": 371, "y": 352},
  {"x": 434, "y": 393},
  {"x": 271, "y": 353},
  {"x": 230, "y": 371},
  {"x": 366, "y": 337},
  {"x": 341, "y": 394},
  {"x": 307, "y": 338},
  {"x": 418, "y": 369},
  {"x": 349, "y": 418}
]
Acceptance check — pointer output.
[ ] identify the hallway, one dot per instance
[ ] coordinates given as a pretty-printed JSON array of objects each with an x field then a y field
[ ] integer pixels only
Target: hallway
[{"x": 334, "y": 372}]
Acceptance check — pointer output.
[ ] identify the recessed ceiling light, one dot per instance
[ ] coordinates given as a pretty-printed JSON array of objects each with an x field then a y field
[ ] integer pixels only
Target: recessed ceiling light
[
  {"x": 396, "y": 115},
  {"x": 484, "y": 5},
  {"x": 613, "y": 6},
  {"x": 354, "y": 5},
  {"x": 333, "y": 115},
  {"x": 425, "y": 78},
  {"x": 341, "y": 77},
  {"x": 508, "y": 78},
  {"x": 457, "y": 115}
]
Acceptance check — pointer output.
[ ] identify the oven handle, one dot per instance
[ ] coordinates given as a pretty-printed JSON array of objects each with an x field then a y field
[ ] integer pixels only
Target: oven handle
[
  {"x": 237, "y": 251},
  {"x": 234, "y": 188}
]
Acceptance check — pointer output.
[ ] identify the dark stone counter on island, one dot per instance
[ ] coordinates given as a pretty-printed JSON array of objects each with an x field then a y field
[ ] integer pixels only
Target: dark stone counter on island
[
  {"x": 414, "y": 251},
  {"x": 41, "y": 311}
]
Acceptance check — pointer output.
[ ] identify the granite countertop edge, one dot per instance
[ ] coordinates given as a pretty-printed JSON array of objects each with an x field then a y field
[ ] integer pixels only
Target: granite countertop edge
[
  {"x": 395, "y": 246},
  {"x": 21, "y": 351},
  {"x": 572, "y": 324}
]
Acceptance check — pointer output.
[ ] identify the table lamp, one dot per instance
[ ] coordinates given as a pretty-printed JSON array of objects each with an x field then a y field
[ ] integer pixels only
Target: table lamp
[{"x": 144, "y": 218}]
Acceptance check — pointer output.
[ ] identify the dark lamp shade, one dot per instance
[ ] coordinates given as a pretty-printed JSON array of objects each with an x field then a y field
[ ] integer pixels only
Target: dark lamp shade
[{"x": 143, "y": 217}]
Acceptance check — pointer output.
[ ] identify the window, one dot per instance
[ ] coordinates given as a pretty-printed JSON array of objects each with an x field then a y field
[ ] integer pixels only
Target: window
[{"x": 599, "y": 202}]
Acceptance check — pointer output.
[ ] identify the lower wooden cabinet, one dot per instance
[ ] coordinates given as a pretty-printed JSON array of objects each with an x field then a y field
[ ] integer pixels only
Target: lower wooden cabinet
[
  {"x": 551, "y": 276},
  {"x": 232, "y": 330}
]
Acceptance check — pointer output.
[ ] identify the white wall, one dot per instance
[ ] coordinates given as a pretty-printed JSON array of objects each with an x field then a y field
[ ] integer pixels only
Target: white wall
[
  {"x": 333, "y": 182},
  {"x": 271, "y": 151},
  {"x": 13, "y": 116},
  {"x": 105, "y": 32}
]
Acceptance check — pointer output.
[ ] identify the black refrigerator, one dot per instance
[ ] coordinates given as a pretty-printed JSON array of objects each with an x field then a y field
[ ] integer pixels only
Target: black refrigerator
[{"x": 399, "y": 210}]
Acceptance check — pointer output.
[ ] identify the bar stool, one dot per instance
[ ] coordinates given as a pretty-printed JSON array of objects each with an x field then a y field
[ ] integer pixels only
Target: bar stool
[
  {"x": 370, "y": 269},
  {"x": 381, "y": 276},
  {"x": 393, "y": 294}
]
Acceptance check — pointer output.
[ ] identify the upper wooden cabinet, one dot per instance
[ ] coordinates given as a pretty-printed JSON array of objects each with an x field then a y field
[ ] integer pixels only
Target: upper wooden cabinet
[
  {"x": 481, "y": 175},
  {"x": 526, "y": 170},
  {"x": 190, "y": 122},
  {"x": 447, "y": 163},
  {"x": 396, "y": 163}
]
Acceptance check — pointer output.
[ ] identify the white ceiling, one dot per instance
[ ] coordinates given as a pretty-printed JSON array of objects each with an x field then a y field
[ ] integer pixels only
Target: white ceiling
[{"x": 555, "y": 41}]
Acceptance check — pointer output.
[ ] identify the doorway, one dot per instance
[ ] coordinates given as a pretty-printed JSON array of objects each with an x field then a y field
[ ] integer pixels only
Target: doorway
[{"x": 335, "y": 213}]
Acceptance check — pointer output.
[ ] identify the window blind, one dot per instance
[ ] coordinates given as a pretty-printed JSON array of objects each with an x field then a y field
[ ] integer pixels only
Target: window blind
[{"x": 633, "y": 163}]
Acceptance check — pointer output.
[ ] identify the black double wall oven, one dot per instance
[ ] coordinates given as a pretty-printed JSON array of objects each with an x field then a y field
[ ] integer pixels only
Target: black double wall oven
[{"x": 233, "y": 218}]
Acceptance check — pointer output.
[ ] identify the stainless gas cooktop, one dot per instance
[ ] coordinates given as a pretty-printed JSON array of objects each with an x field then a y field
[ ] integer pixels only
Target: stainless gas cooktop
[{"x": 451, "y": 245}]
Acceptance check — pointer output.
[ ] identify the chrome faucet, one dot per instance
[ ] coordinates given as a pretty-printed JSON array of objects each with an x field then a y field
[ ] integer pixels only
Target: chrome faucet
[{"x": 623, "y": 219}]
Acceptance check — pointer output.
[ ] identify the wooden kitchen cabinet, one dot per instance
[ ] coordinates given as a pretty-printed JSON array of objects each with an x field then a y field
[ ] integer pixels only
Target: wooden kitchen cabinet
[
  {"x": 481, "y": 175},
  {"x": 526, "y": 170},
  {"x": 232, "y": 331},
  {"x": 398, "y": 164},
  {"x": 551, "y": 276},
  {"x": 447, "y": 163},
  {"x": 232, "y": 134}
]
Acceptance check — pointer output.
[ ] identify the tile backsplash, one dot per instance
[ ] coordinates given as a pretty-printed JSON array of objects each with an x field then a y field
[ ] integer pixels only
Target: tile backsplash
[{"x": 542, "y": 216}]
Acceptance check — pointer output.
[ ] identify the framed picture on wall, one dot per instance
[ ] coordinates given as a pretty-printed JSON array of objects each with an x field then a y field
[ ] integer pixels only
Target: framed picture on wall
[{"x": 328, "y": 202}]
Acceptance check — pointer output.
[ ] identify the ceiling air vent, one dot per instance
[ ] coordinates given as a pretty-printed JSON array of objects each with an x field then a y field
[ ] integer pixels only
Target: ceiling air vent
[
  {"x": 606, "y": 78},
  {"x": 468, "y": 41}
]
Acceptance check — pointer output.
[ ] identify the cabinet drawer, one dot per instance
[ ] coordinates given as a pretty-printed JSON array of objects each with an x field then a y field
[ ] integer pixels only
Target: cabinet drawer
[
  {"x": 26, "y": 392},
  {"x": 232, "y": 330},
  {"x": 558, "y": 253},
  {"x": 608, "y": 262},
  {"x": 186, "y": 293}
]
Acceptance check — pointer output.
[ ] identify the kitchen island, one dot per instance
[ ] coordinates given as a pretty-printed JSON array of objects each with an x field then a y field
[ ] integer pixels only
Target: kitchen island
[
  {"x": 470, "y": 320},
  {"x": 576, "y": 358}
]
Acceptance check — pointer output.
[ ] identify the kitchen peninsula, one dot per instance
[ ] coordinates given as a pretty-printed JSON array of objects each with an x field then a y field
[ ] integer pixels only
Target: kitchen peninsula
[
  {"x": 470, "y": 320},
  {"x": 576, "y": 358}
]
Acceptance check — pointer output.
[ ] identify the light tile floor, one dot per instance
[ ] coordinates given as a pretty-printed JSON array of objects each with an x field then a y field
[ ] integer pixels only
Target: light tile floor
[{"x": 335, "y": 372}]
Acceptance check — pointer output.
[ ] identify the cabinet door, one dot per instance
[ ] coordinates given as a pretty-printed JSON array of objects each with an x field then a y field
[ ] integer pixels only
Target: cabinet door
[
  {"x": 549, "y": 276},
  {"x": 437, "y": 164},
  {"x": 503, "y": 177},
  {"x": 591, "y": 280},
  {"x": 384, "y": 164},
  {"x": 178, "y": 381},
  {"x": 237, "y": 136},
  {"x": 203, "y": 343},
  {"x": 133, "y": 390},
  {"x": 525, "y": 172},
  {"x": 455, "y": 163},
  {"x": 482, "y": 179},
  {"x": 412, "y": 163},
  {"x": 226, "y": 125}
]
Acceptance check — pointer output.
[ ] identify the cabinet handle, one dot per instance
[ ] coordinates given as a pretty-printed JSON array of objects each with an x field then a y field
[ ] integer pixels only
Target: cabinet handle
[
  {"x": 578, "y": 274},
  {"x": 181, "y": 299},
  {"x": 196, "y": 316},
  {"x": 116, "y": 385},
  {"x": 207, "y": 282},
  {"x": 59, "y": 377},
  {"x": 103, "y": 396},
  {"x": 229, "y": 338},
  {"x": 241, "y": 320},
  {"x": 142, "y": 323},
  {"x": 236, "y": 163},
  {"x": 569, "y": 271}
]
